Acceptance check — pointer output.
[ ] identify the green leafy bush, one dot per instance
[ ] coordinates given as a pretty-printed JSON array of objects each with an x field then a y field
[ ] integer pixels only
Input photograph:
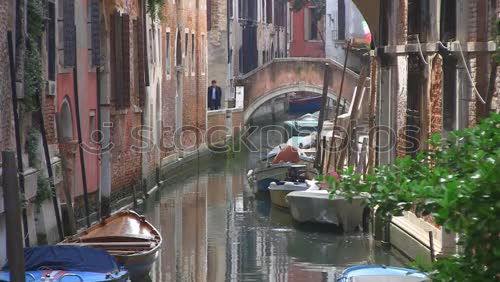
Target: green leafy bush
[
  {"x": 154, "y": 8},
  {"x": 458, "y": 183},
  {"x": 33, "y": 74},
  {"x": 44, "y": 190}
]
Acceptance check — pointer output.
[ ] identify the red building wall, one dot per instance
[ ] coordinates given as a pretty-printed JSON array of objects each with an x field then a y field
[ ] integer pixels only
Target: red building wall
[
  {"x": 300, "y": 47},
  {"x": 87, "y": 93}
]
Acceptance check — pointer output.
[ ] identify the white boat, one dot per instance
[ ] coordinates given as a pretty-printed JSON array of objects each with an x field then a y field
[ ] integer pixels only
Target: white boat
[
  {"x": 316, "y": 206},
  {"x": 369, "y": 273}
]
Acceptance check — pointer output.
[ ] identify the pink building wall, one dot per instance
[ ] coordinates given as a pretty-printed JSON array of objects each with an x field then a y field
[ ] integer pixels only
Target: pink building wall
[{"x": 300, "y": 47}]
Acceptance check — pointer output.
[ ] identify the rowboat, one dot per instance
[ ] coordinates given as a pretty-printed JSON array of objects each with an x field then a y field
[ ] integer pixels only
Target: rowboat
[
  {"x": 368, "y": 273},
  {"x": 68, "y": 264},
  {"x": 305, "y": 104},
  {"x": 128, "y": 237},
  {"x": 279, "y": 190}
]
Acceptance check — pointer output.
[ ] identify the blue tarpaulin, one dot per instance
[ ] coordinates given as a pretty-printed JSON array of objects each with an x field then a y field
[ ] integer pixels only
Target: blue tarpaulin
[{"x": 68, "y": 258}]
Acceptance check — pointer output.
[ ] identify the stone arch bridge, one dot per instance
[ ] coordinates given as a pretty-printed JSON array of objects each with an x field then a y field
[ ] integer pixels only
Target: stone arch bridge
[
  {"x": 285, "y": 75},
  {"x": 278, "y": 77}
]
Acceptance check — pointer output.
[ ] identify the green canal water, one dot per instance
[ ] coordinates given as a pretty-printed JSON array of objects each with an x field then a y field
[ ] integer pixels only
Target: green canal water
[{"x": 215, "y": 229}]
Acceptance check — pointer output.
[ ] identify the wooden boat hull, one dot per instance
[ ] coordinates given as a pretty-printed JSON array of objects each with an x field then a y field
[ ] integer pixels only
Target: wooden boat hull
[
  {"x": 128, "y": 237},
  {"x": 278, "y": 198},
  {"x": 138, "y": 265},
  {"x": 278, "y": 193}
]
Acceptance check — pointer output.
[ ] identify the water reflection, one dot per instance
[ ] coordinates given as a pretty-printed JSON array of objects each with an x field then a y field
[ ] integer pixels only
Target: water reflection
[{"x": 215, "y": 229}]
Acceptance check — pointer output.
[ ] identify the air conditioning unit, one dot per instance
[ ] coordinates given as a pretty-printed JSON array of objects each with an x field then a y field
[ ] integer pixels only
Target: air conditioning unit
[
  {"x": 57, "y": 170},
  {"x": 51, "y": 88}
]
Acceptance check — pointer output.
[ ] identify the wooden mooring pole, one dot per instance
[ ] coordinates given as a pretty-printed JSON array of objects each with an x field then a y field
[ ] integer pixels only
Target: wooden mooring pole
[
  {"x": 339, "y": 99},
  {"x": 12, "y": 203},
  {"x": 324, "y": 101}
]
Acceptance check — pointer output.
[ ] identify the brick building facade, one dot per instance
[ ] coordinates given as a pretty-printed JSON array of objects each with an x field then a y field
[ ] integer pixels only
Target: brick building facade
[
  {"x": 424, "y": 84},
  {"x": 435, "y": 63},
  {"x": 183, "y": 51}
]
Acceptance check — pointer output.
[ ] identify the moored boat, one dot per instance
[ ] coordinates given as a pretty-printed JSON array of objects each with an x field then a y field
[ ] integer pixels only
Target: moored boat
[
  {"x": 277, "y": 170},
  {"x": 303, "y": 125},
  {"x": 369, "y": 273},
  {"x": 279, "y": 190},
  {"x": 316, "y": 206},
  {"x": 305, "y": 104},
  {"x": 68, "y": 264},
  {"x": 128, "y": 237}
]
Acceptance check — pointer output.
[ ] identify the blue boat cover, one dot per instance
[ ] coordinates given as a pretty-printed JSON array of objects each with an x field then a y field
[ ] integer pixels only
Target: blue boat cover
[{"x": 69, "y": 258}]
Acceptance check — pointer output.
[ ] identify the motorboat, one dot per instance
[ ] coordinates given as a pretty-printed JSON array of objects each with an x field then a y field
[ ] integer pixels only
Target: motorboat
[
  {"x": 302, "y": 125},
  {"x": 68, "y": 264},
  {"x": 261, "y": 177}
]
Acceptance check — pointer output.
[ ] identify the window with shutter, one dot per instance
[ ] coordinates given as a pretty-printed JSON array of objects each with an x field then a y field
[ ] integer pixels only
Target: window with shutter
[
  {"x": 69, "y": 33},
  {"x": 178, "y": 50},
  {"x": 51, "y": 41},
  {"x": 418, "y": 18},
  {"x": 193, "y": 61},
  {"x": 209, "y": 15},
  {"x": 167, "y": 53},
  {"x": 341, "y": 20},
  {"x": 117, "y": 55},
  {"x": 126, "y": 60},
  {"x": 95, "y": 29},
  {"x": 269, "y": 11},
  {"x": 140, "y": 59}
]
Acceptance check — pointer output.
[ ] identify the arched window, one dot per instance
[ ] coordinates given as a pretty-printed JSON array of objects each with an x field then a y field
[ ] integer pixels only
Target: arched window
[
  {"x": 178, "y": 50},
  {"x": 65, "y": 124}
]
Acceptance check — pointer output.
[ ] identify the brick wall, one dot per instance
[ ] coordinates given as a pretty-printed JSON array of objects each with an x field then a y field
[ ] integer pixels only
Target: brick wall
[
  {"x": 126, "y": 162},
  {"x": 218, "y": 15},
  {"x": 194, "y": 83},
  {"x": 215, "y": 134}
]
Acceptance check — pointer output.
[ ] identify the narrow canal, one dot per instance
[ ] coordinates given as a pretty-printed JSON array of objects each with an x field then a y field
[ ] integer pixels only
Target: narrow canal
[{"x": 215, "y": 229}]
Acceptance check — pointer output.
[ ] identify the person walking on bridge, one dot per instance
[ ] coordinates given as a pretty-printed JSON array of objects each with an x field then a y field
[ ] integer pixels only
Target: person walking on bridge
[{"x": 214, "y": 96}]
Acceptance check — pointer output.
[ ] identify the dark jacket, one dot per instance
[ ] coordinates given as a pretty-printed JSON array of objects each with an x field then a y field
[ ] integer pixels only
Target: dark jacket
[{"x": 214, "y": 104}]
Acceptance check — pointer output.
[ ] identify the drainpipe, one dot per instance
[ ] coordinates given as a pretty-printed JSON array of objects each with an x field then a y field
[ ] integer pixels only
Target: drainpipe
[
  {"x": 229, "y": 55},
  {"x": 105, "y": 129}
]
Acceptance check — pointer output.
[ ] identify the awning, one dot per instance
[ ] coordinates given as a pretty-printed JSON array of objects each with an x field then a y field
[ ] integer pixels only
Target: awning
[{"x": 370, "y": 9}]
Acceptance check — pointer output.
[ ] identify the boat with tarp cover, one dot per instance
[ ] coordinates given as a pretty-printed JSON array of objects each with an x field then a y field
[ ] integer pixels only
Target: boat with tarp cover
[
  {"x": 68, "y": 264},
  {"x": 128, "y": 237}
]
